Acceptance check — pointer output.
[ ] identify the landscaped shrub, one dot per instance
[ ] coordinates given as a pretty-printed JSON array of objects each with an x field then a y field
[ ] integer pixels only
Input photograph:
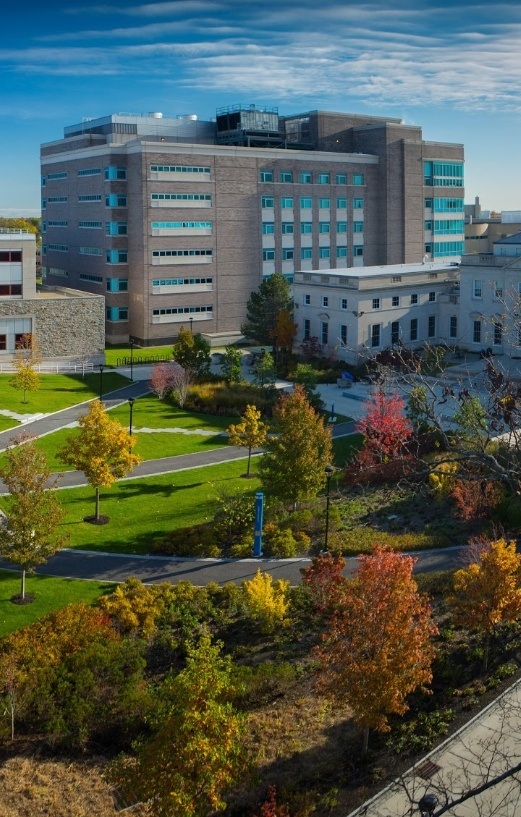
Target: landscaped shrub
[
  {"x": 363, "y": 540},
  {"x": 232, "y": 399},
  {"x": 134, "y": 606},
  {"x": 267, "y": 601},
  {"x": 279, "y": 543},
  {"x": 197, "y": 540}
]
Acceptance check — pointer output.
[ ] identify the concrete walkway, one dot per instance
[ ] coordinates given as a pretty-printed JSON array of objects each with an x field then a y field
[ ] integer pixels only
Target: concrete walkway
[{"x": 488, "y": 746}]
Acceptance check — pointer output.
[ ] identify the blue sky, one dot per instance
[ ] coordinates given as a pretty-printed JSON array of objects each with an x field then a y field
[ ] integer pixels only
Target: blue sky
[{"x": 453, "y": 67}]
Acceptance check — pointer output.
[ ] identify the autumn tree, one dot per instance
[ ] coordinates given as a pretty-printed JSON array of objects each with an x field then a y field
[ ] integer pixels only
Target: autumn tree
[
  {"x": 292, "y": 469},
  {"x": 196, "y": 752},
  {"x": 162, "y": 379},
  {"x": 325, "y": 582},
  {"x": 33, "y": 512},
  {"x": 377, "y": 649},
  {"x": 249, "y": 433},
  {"x": 283, "y": 333},
  {"x": 264, "y": 308},
  {"x": 102, "y": 450},
  {"x": 192, "y": 352},
  {"x": 385, "y": 428},
  {"x": 232, "y": 365},
  {"x": 488, "y": 591},
  {"x": 267, "y": 601},
  {"x": 27, "y": 357}
]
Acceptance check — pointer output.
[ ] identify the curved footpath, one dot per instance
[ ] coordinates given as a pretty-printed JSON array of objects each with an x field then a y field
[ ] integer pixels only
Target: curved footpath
[{"x": 117, "y": 567}]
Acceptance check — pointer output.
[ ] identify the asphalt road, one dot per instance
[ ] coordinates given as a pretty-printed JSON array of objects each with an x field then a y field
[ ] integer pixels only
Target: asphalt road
[{"x": 112, "y": 567}]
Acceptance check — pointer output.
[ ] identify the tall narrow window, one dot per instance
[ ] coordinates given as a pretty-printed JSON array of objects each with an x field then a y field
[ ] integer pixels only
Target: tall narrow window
[
  {"x": 324, "y": 333},
  {"x": 375, "y": 335},
  {"x": 413, "y": 333},
  {"x": 395, "y": 332},
  {"x": 453, "y": 326},
  {"x": 476, "y": 332}
]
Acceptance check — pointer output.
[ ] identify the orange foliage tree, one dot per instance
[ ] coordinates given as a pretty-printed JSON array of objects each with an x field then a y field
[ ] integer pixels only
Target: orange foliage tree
[
  {"x": 378, "y": 647},
  {"x": 488, "y": 592}
]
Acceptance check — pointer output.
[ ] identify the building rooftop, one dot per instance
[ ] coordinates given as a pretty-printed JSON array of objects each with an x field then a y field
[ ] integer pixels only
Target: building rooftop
[
  {"x": 510, "y": 239},
  {"x": 384, "y": 270}
]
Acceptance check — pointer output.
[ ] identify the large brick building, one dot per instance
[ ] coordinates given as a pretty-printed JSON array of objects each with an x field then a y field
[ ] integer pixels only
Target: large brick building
[{"x": 175, "y": 219}]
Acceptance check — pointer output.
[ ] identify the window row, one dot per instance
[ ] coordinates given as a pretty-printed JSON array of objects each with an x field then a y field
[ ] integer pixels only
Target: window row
[
  {"x": 171, "y": 282},
  {"x": 182, "y": 310},
  {"x": 443, "y": 174},
  {"x": 306, "y": 177},
  {"x": 288, "y": 253},
  {"x": 181, "y": 225},
  {"x": 306, "y": 227},
  {"x": 8, "y": 256},
  {"x": 445, "y": 205},
  {"x": 179, "y": 253},
  {"x": 306, "y": 203},
  {"x": 111, "y": 256},
  {"x": 179, "y": 169},
  {"x": 112, "y": 173},
  {"x": 181, "y": 197}
]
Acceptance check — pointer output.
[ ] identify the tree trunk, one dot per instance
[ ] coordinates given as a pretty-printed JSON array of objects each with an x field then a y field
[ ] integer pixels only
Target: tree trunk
[
  {"x": 486, "y": 651},
  {"x": 22, "y": 586},
  {"x": 96, "y": 513},
  {"x": 365, "y": 743},
  {"x": 249, "y": 461}
]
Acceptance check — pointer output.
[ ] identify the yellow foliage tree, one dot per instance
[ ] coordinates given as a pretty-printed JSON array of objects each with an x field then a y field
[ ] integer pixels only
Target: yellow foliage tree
[
  {"x": 268, "y": 601},
  {"x": 27, "y": 356},
  {"x": 102, "y": 450},
  {"x": 488, "y": 591},
  {"x": 249, "y": 433},
  {"x": 136, "y": 606}
]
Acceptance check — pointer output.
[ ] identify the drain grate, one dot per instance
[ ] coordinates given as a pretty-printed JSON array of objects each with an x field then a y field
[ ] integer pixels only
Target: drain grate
[{"x": 427, "y": 770}]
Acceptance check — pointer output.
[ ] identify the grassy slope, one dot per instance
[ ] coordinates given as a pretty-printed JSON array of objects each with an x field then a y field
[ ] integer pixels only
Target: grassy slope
[{"x": 57, "y": 391}]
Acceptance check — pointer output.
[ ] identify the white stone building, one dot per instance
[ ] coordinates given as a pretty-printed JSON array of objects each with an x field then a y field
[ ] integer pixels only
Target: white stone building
[{"x": 359, "y": 312}]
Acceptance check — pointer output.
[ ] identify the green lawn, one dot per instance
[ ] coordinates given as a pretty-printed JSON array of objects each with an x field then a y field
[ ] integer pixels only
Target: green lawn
[
  {"x": 142, "y": 510},
  {"x": 345, "y": 447},
  {"x": 120, "y": 351},
  {"x": 50, "y": 594},
  {"x": 7, "y": 422},
  {"x": 57, "y": 391}
]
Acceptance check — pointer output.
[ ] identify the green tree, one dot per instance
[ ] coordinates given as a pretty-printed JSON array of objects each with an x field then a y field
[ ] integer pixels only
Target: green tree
[
  {"x": 249, "y": 433},
  {"x": 33, "y": 512},
  {"x": 264, "y": 308},
  {"x": 27, "y": 356},
  {"x": 292, "y": 469},
  {"x": 232, "y": 365},
  {"x": 192, "y": 352},
  {"x": 102, "y": 450},
  {"x": 473, "y": 422},
  {"x": 264, "y": 371},
  {"x": 306, "y": 375},
  {"x": 197, "y": 750}
]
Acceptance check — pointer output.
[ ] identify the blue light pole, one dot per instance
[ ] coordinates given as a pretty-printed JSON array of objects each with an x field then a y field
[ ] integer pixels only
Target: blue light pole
[{"x": 259, "y": 513}]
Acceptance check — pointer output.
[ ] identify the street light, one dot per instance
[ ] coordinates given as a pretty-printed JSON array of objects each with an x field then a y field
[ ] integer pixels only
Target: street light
[
  {"x": 191, "y": 325},
  {"x": 101, "y": 367},
  {"x": 132, "y": 360},
  {"x": 131, "y": 401},
  {"x": 427, "y": 805},
  {"x": 329, "y": 471}
]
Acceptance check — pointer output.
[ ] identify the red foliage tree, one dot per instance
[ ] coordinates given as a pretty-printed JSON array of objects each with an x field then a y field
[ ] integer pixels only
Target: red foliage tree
[
  {"x": 164, "y": 378},
  {"x": 270, "y": 808},
  {"x": 385, "y": 428},
  {"x": 326, "y": 582}
]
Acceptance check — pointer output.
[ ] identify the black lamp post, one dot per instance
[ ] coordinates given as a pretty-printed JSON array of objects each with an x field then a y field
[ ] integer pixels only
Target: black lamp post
[
  {"x": 131, "y": 401},
  {"x": 101, "y": 367},
  {"x": 329, "y": 470},
  {"x": 132, "y": 360},
  {"x": 192, "y": 325},
  {"x": 427, "y": 805}
]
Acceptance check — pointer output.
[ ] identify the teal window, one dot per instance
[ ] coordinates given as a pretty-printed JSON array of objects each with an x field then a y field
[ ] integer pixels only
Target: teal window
[
  {"x": 357, "y": 179},
  {"x": 428, "y": 225},
  {"x": 115, "y": 227},
  {"x": 288, "y": 253},
  {"x": 341, "y": 226},
  {"x": 117, "y": 256},
  {"x": 44, "y": 204},
  {"x": 428, "y": 204},
  {"x": 428, "y": 247},
  {"x": 446, "y": 226},
  {"x": 55, "y": 176},
  {"x": 324, "y": 252},
  {"x": 268, "y": 255},
  {"x": 181, "y": 225},
  {"x": 324, "y": 204},
  {"x": 90, "y": 251},
  {"x": 358, "y": 204},
  {"x": 306, "y": 203},
  {"x": 173, "y": 282},
  {"x": 324, "y": 178},
  {"x": 358, "y": 252},
  {"x": 268, "y": 228},
  {"x": 180, "y": 197},
  {"x": 286, "y": 202},
  {"x": 266, "y": 175},
  {"x": 448, "y": 205},
  {"x": 341, "y": 203},
  {"x": 267, "y": 202},
  {"x": 115, "y": 200},
  {"x": 89, "y": 198},
  {"x": 89, "y": 225},
  {"x": 179, "y": 169},
  {"x": 306, "y": 227},
  {"x": 358, "y": 226},
  {"x": 306, "y": 252},
  {"x": 117, "y": 284},
  {"x": 443, "y": 174},
  {"x": 285, "y": 176},
  {"x": 324, "y": 226},
  {"x": 117, "y": 313},
  {"x": 288, "y": 228},
  {"x": 341, "y": 252},
  {"x": 90, "y": 171},
  {"x": 305, "y": 177},
  {"x": 444, "y": 248},
  {"x": 113, "y": 173},
  {"x": 341, "y": 178}
]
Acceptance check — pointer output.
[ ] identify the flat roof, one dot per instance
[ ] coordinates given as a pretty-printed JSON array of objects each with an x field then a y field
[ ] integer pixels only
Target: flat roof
[{"x": 385, "y": 269}]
